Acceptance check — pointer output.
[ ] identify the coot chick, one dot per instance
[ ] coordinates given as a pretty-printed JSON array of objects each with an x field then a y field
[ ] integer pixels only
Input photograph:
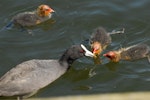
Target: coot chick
[
  {"x": 100, "y": 39},
  {"x": 28, "y": 77},
  {"x": 134, "y": 52},
  {"x": 41, "y": 14}
]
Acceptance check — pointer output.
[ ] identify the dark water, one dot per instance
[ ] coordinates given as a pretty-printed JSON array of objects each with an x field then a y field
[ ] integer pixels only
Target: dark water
[{"x": 72, "y": 23}]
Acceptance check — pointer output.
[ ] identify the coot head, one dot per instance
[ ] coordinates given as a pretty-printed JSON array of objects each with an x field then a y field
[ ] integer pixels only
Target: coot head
[
  {"x": 112, "y": 56},
  {"x": 75, "y": 52},
  {"x": 44, "y": 10},
  {"x": 96, "y": 48}
]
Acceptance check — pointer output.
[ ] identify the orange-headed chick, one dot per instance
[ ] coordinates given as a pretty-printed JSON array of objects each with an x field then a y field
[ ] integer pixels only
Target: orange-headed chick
[
  {"x": 100, "y": 39},
  {"x": 130, "y": 53},
  {"x": 41, "y": 14}
]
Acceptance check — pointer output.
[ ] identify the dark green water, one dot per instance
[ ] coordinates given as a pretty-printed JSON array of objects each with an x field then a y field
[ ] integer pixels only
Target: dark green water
[{"x": 72, "y": 23}]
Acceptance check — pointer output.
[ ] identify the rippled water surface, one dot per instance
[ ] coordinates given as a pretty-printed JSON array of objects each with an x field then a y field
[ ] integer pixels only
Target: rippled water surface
[{"x": 73, "y": 23}]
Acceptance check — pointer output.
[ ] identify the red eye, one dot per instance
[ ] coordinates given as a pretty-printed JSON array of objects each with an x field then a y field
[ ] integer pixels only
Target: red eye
[{"x": 82, "y": 51}]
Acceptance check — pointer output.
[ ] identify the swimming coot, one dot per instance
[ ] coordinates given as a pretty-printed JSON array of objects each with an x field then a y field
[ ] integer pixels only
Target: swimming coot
[
  {"x": 43, "y": 13},
  {"x": 99, "y": 40},
  {"x": 130, "y": 53},
  {"x": 28, "y": 77}
]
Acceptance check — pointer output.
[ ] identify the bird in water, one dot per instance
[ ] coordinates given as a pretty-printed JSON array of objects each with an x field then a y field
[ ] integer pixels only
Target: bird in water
[
  {"x": 27, "y": 78},
  {"x": 130, "y": 53},
  {"x": 41, "y": 14},
  {"x": 99, "y": 40}
]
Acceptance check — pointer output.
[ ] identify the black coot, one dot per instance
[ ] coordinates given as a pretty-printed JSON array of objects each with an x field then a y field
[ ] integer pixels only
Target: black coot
[{"x": 28, "y": 77}]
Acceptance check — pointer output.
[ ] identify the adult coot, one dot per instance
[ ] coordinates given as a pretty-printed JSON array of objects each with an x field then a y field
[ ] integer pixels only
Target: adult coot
[
  {"x": 129, "y": 53},
  {"x": 28, "y": 77}
]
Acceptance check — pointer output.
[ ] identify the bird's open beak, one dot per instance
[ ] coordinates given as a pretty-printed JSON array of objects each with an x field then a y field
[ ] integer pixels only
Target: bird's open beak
[
  {"x": 96, "y": 48},
  {"x": 105, "y": 55},
  {"x": 96, "y": 51},
  {"x": 87, "y": 52}
]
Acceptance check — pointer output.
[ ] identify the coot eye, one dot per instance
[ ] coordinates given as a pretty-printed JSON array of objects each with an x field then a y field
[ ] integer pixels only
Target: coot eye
[{"x": 82, "y": 51}]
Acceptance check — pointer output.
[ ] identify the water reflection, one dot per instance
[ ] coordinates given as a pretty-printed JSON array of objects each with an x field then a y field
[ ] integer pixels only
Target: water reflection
[{"x": 112, "y": 66}]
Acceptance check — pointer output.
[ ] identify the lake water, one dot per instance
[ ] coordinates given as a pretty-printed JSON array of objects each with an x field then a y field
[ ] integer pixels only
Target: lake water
[{"x": 73, "y": 23}]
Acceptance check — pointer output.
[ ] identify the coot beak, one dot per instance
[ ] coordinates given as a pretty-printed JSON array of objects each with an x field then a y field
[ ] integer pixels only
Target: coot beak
[
  {"x": 105, "y": 55},
  {"x": 87, "y": 52},
  {"x": 51, "y": 10}
]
